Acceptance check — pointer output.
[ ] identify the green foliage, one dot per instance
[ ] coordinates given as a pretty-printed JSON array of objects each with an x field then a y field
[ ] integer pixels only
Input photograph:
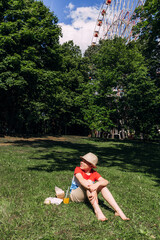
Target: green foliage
[
  {"x": 148, "y": 27},
  {"x": 149, "y": 34},
  {"x": 42, "y": 77},
  {"x": 148, "y": 30},
  {"x": 73, "y": 76},
  {"x": 29, "y": 56},
  {"x": 121, "y": 66},
  {"x": 98, "y": 118}
]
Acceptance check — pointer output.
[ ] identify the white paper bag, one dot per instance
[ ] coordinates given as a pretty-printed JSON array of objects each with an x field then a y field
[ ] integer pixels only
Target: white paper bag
[{"x": 52, "y": 200}]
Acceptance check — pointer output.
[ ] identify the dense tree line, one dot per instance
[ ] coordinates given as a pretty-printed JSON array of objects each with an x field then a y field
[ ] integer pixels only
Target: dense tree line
[
  {"x": 121, "y": 67},
  {"x": 48, "y": 88}
]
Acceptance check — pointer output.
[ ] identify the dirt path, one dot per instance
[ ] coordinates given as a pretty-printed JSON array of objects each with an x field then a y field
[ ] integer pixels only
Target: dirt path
[{"x": 7, "y": 140}]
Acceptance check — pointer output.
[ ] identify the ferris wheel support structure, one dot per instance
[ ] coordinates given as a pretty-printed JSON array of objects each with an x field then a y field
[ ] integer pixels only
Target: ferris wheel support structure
[{"x": 116, "y": 19}]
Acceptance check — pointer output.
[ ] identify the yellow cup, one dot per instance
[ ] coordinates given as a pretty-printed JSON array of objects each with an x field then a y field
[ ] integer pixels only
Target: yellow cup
[{"x": 65, "y": 200}]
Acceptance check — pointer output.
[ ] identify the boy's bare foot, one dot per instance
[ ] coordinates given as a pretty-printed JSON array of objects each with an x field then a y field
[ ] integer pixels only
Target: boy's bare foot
[
  {"x": 101, "y": 217},
  {"x": 116, "y": 214},
  {"x": 122, "y": 216},
  {"x": 103, "y": 220}
]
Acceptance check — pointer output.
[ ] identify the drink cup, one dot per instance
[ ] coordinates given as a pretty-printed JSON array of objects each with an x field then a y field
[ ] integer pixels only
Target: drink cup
[{"x": 66, "y": 200}]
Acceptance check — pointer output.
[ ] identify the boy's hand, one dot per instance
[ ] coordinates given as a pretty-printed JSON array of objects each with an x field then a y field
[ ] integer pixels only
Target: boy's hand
[
  {"x": 93, "y": 196},
  {"x": 93, "y": 187}
]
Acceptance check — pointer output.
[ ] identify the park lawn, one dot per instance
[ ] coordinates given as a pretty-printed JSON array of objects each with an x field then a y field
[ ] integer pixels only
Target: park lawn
[{"x": 29, "y": 171}]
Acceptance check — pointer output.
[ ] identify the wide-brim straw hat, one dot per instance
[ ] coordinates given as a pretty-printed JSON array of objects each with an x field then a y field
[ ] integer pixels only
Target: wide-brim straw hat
[{"x": 91, "y": 158}]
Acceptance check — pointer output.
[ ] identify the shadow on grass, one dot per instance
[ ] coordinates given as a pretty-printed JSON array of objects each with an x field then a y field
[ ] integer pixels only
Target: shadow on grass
[
  {"x": 102, "y": 205},
  {"x": 127, "y": 156}
]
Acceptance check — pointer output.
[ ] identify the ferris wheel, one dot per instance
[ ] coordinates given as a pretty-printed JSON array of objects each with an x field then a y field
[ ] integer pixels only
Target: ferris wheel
[{"x": 115, "y": 19}]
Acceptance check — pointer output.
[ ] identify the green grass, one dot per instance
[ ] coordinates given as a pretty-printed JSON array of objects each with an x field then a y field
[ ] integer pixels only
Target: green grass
[{"x": 29, "y": 171}]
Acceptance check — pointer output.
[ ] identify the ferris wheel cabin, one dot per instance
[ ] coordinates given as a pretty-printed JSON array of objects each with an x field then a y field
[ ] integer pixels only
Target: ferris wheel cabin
[{"x": 108, "y": 2}]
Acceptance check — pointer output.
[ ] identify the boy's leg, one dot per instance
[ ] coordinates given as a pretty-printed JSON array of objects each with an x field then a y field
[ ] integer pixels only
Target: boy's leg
[
  {"x": 110, "y": 199},
  {"x": 78, "y": 195},
  {"x": 99, "y": 214}
]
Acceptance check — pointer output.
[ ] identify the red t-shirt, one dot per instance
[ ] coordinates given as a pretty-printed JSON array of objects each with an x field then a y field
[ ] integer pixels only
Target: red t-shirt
[{"x": 94, "y": 176}]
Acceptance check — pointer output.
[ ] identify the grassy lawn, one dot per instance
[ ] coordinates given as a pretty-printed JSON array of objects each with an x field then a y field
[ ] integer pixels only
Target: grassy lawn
[{"x": 29, "y": 171}]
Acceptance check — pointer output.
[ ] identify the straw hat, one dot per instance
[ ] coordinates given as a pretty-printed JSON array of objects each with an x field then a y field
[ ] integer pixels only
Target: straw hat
[{"x": 91, "y": 158}]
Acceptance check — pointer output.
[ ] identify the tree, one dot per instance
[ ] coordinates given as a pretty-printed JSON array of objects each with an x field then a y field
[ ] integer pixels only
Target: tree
[
  {"x": 121, "y": 67},
  {"x": 148, "y": 30},
  {"x": 29, "y": 56},
  {"x": 73, "y": 75}
]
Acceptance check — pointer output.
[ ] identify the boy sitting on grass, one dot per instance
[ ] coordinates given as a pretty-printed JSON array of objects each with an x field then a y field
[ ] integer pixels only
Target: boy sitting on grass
[{"x": 84, "y": 186}]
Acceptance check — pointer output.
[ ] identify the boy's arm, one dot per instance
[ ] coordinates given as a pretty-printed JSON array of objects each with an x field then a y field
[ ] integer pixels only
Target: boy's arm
[
  {"x": 82, "y": 181},
  {"x": 102, "y": 182}
]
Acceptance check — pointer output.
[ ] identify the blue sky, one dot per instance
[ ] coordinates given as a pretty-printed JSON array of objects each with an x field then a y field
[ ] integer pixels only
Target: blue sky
[{"x": 60, "y": 7}]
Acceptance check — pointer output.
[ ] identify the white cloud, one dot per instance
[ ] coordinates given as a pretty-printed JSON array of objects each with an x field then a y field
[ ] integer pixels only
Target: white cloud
[
  {"x": 70, "y": 6},
  {"x": 83, "y": 21}
]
